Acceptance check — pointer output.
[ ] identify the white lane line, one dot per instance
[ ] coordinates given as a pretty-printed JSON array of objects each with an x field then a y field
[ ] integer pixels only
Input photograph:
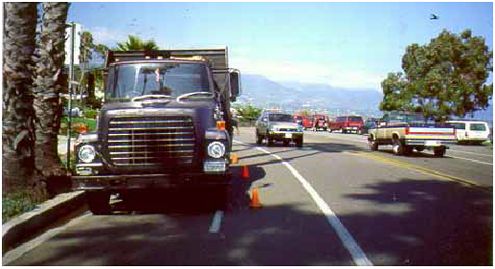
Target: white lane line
[
  {"x": 216, "y": 222},
  {"x": 471, "y": 160},
  {"x": 18, "y": 252},
  {"x": 472, "y": 153},
  {"x": 358, "y": 256}
]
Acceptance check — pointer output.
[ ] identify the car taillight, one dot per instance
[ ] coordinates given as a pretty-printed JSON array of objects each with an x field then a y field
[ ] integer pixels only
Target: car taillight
[{"x": 407, "y": 130}]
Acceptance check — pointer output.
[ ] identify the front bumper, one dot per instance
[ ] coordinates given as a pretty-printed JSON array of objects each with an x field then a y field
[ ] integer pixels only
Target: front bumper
[
  {"x": 277, "y": 135},
  {"x": 148, "y": 181}
]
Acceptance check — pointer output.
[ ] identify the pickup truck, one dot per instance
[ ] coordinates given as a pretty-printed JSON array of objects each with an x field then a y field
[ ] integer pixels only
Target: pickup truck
[{"x": 408, "y": 131}]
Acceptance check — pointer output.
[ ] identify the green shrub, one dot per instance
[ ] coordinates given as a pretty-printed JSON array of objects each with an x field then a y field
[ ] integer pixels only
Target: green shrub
[{"x": 16, "y": 203}]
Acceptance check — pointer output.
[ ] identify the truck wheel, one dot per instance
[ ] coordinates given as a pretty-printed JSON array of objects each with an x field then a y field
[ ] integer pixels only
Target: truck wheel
[
  {"x": 269, "y": 141},
  {"x": 299, "y": 143},
  {"x": 343, "y": 131},
  {"x": 259, "y": 139},
  {"x": 398, "y": 147},
  {"x": 372, "y": 143},
  {"x": 439, "y": 152},
  {"x": 98, "y": 202},
  {"x": 408, "y": 150},
  {"x": 221, "y": 197}
]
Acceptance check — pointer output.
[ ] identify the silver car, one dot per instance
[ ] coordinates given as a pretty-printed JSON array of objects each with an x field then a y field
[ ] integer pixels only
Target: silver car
[{"x": 277, "y": 126}]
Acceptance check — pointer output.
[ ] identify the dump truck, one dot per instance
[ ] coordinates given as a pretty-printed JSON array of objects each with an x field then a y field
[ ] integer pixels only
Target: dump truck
[
  {"x": 407, "y": 131},
  {"x": 165, "y": 123}
]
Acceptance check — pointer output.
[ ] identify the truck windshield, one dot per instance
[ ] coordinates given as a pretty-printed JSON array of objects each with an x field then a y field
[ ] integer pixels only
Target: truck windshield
[
  {"x": 127, "y": 81},
  {"x": 280, "y": 117}
]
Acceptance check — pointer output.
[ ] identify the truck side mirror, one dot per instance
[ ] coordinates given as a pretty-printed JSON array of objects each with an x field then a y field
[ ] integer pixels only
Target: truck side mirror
[{"x": 235, "y": 84}]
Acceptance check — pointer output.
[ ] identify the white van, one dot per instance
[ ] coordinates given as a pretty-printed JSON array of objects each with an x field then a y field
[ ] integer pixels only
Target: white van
[{"x": 471, "y": 131}]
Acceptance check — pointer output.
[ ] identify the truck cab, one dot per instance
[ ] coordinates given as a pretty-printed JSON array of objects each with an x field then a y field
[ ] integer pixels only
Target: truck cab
[{"x": 165, "y": 122}]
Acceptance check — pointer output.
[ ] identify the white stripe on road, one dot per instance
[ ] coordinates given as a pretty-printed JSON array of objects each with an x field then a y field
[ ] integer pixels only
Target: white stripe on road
[
  {"x": 217, "y": 221},
  {"x": 471, "y": 160},
  {"x": 358, "y": 256},
  {"x": 469, "y": 152}
]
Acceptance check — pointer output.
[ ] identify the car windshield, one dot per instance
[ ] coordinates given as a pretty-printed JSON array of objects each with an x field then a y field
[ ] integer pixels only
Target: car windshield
[
  {"x": 477, "y": 127},
  {"x": 127, "y": 81},
  {"x": 355, "y": 119},
  {"x": 280, "y": 117},
  {"x": 458, "y": 125}
]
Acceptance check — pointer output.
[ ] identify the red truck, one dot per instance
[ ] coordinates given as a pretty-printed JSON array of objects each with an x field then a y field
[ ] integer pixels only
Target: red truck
[
  {"x": 347, "y": 124},
  {"x": 305, "y": 121},
  {"x": 320, "y": 122}
]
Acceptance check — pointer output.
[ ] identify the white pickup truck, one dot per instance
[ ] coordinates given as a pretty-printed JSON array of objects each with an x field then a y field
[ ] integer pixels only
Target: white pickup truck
[{"x": 408, "y": 131}]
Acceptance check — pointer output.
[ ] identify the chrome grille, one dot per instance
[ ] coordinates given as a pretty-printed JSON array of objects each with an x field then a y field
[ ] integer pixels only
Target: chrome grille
[{"x": 157, "y": 141}]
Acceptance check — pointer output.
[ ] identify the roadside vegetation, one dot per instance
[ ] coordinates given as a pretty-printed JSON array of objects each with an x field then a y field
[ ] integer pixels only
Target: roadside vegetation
[
  {"x": 247, "y": 114},
  {"x": 446, "y": 77}
]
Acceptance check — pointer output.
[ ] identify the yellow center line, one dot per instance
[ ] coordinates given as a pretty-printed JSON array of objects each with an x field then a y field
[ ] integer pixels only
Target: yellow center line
[{"x": 417, "y": 168}]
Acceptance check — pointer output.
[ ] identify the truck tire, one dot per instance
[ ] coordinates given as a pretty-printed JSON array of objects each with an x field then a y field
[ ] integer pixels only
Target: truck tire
[
  {"x": 408, "y": 150},
  {"x": 98, "y": 202},
  {"x": 397, "y": 147},
  {"x": 372, "y": 143},
  {"x": 259, "y": 139},
  {"x": 299, "y": 143},
  {"x": 269, "y": 140},
  {"x": 439, "y": 151}
]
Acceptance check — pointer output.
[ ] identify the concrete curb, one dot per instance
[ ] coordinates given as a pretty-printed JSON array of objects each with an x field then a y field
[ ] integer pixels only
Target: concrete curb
[{"x": 23, "y": 227}]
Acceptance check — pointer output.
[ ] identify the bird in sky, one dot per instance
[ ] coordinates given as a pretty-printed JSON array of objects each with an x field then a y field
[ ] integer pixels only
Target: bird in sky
[{"x": 433, "y": 17}]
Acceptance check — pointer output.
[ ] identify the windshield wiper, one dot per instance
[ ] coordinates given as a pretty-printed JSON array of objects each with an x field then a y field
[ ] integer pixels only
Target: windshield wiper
[
  {"x": 187, "y": 95},
  {"x": 152, "y": 97}
]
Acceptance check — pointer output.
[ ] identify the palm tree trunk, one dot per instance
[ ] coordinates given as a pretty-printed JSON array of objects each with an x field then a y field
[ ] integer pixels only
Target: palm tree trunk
[
  {"x": 19, "y": 39},
  {"x": 47, "y": 86}
]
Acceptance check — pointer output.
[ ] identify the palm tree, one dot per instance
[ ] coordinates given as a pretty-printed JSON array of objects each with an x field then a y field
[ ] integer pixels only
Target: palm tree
[
  {"x": 136, "y": 43},
  {"x": 47, "y": 86},
  {"x": 19, "y": 39}
]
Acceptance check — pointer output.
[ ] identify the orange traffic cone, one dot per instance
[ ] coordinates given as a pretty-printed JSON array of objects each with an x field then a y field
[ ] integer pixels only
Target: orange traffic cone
[
  {"x": 234, "y": 159},
  {"x": 245, "y": 172},
  {"x": 255, "y": 199}
]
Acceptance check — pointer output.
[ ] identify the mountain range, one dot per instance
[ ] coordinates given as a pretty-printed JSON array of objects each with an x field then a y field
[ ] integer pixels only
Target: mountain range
[{"x": 293, "y": 96}]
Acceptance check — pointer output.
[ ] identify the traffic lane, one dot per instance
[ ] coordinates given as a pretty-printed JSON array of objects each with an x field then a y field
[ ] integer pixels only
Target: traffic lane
[
  {"x": 400, "y": 216},
  {"x": 288, "y": 230},
  {"x": 468, "y": 170},
  {"x": 164, "y": 230}
]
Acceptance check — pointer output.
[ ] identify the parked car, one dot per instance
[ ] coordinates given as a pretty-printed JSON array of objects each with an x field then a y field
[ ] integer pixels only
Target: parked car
[
  {"x": 471, "y": 131},
  {"x": 278, "y": 126},
  {"x": 347, "y": 124}
]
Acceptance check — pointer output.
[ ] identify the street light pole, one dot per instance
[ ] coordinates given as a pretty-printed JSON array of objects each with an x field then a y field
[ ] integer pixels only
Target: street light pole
[{"x": 72, "y": 25}]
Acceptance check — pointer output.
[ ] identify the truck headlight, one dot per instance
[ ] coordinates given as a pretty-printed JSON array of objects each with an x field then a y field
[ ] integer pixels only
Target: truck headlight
[
  {"x": 216, "y": 149},
  {"x": 87, "y": 153}
]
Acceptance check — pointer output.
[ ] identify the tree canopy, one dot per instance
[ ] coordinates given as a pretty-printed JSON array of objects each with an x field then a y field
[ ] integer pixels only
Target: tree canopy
[
  {"x": 443, "y": 78},
  {"x": 136, "y": 43}
]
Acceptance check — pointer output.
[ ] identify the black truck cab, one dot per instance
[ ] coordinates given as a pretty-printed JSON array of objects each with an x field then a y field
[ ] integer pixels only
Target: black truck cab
[{"x": 165, "y": 122}]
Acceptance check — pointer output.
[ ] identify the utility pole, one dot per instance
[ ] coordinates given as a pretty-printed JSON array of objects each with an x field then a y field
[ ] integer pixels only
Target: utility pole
[{"x": 72, "y": 25}]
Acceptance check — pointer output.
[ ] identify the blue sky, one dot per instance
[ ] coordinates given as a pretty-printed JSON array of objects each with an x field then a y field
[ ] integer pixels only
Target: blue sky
[{"x": 352, "y": 45}]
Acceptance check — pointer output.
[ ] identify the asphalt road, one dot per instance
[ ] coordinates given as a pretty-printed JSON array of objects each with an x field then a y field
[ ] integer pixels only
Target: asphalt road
[{"x": 332, "y": 202}]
